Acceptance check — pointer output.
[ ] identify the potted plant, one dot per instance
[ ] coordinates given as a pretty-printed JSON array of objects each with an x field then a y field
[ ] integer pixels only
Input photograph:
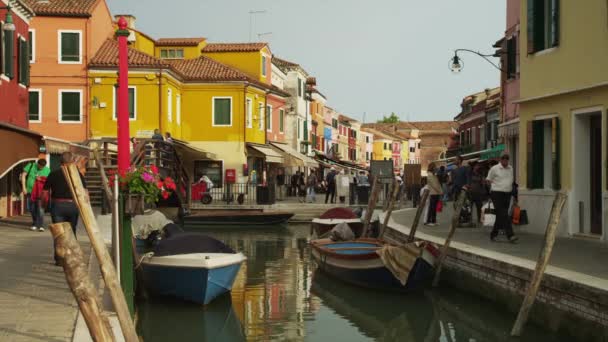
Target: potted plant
[{"x": 140, "y": 186}]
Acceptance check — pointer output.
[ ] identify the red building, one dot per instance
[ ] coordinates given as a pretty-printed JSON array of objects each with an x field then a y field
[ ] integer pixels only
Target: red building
[{"x": 474, "y": 130}]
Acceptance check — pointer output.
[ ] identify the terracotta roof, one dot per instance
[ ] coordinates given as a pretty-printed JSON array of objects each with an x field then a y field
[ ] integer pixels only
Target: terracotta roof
[
  {"x": 234, "y": 47},
  {"x": 107, "y": 56},
  {"x": 206, "y": 69},
  {"x": 434, "y": 125},
  {"x": 381, "y": 134},
  {"x": 283, "y": 64},
  {"x": 62, "y": 8},
  {"x": 179, "y": 41},
  {"x": 342, "y": 117}
]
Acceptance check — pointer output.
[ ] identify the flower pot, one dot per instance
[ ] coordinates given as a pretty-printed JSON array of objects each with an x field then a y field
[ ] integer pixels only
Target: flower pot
[{"x": 134, "y": 204}]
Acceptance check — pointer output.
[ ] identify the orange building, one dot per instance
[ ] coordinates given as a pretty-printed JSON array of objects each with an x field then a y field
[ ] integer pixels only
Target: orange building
[{"x": 65, "y": 35}]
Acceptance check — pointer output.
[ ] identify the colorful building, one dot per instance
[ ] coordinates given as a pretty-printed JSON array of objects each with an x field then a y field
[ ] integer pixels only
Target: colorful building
[
  {"x": 563, "y": 123},
  {"x": 367, "y": 147},
  {"x": 64, "y": 35},
  {"x": 478, "y": 121}
]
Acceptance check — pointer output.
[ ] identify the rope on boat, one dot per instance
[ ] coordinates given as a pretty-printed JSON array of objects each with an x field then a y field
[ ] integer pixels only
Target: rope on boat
[{"x": 141, "y": 259}]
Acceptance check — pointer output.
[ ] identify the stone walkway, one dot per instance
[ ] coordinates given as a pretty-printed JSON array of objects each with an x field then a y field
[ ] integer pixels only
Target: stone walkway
[
  {"x": 581, "y": 258},
  {"x": 35, "y": 301}
]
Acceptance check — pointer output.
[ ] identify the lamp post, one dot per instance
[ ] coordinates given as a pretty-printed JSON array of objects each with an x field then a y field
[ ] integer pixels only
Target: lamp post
[
  {"x": 123, "y": 96},
  {"x": 8, "y": 25},
  {"x": 456, "y": 63}
]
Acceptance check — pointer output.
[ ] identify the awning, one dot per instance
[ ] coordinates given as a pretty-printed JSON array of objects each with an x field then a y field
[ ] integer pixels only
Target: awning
[
  {"x": 270, "y": 155},
  {"x": 291, "y": 152},
  {"x": 18, "y": 145},
  {"x": 509, "y": 129},
  {"x": 189, "y": 153},
  {"x": 58, "y": 146},
  {"x": 493, "y": 153}
]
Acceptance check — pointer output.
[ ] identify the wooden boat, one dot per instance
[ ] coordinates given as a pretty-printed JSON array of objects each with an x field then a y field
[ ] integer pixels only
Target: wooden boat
[
  {"x": 236, "y": 217},
  {"x": 357, "y": 262},
  {"x": 322, "y": 225}
]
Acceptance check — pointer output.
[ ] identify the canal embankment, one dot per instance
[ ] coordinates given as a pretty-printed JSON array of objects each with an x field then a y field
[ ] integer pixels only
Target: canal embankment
[{"x": 573, "y": 298}]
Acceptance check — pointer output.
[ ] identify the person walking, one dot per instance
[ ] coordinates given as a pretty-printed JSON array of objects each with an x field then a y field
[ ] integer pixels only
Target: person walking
[
  {"x": 500, "y": 178},
  {"x": 331, "y": 186},
  {"x": 477, "y": 191},
  {"x": 301, "y": 192},
  {"x": 311, "y": 183},
  {"x": 32, "y": 172},
  {"x": 442, "y": 175},
  {"x": 63, "y": 208},
  {"x": 280, "y": 184},
  {"x": 460, "y": 177},
  {"x": 293, "y": 190},
  {"x": 157, "y": 135},
  {"x": 434, "y": 194}
]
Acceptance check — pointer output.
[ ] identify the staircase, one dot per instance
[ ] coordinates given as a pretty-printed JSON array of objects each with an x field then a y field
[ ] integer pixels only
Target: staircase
[{"x": 93, "y": 179}]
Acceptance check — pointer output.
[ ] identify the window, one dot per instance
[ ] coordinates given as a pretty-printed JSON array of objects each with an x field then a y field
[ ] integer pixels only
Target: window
[
  {"x": 367, "y": 139},
  {"x": 412, "y": 149},
  {"x": 249, "y": 113},
  {"x": 7, "y": 58},
  {"x": 512, "y": 57},
  {"x": 281, "y": 120},
  {"x": 334, "y": 123},
  {"x": 24, "y": 62},
  {"x": 543, "y": 25},
  {"x": 366, "y": 155},
  {"x": 261, "y": 116},
  {"x": 418, "y": 146},
  {"x": 70, "y": 105},
  {"x": 35, "y": 105},
  {"x": 268, "y": 118},
  {"x": 32, "y": 45},
  {"x": 169, "y": 105},
  {"x": 178, "y": 109},
  {"x": 298, "y": 128},
  {"x": 544, "y": 154},
  {"x": 263, "y": 65},
  {"x": 222, "y": 111},
  {"x": 132, "y": 103},
  {"x": 172, "y": 53},
  {"x": 299, "y": 87},
  {"x": 70, "y": 47},
  {"x": 385, "y": 146}
]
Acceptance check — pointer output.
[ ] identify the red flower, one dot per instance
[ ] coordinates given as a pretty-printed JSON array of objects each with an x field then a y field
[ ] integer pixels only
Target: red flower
[
  {"x": 154, "y": 169},
  {"x": 159, "y": 184},
  {"x": 165, "y": 194}
]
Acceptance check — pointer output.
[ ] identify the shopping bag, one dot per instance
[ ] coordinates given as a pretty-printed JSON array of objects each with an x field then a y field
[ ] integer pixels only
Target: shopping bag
[
  {"x": 523, "y": 217},
  {"x": 516, "y": 214},
  {"x": 439, "y": 206},
  {"x": 489, "y": 215}
]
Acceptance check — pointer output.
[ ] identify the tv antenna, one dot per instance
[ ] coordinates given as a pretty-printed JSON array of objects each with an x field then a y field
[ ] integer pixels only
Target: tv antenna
[
  {"x": 260, "y": 35},
  {"x": 251, "y": 14}
]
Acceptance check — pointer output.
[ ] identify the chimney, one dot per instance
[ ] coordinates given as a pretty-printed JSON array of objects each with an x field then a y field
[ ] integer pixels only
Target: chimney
[{"x": 130, "y": 19}]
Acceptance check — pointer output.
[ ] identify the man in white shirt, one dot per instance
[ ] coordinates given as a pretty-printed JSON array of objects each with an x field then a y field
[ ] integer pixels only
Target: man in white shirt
[{"x": 500, "y": 179}]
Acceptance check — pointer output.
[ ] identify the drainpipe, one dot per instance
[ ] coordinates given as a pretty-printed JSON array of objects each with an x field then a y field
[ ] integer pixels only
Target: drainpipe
[{"x": 267, "y": 116}]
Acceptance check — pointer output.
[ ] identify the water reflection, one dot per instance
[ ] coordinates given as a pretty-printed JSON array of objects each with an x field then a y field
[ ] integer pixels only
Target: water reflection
[{"x": 278, "y": 296}]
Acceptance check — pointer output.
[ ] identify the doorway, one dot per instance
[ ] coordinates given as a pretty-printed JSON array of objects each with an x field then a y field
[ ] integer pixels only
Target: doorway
[{"x": 595, "y": 173}]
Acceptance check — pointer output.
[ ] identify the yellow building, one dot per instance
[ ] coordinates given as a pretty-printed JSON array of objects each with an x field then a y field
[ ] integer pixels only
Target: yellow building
[
  {"x": 382, "y": 146},
  {"x": 254, "y": 59},
  {"x": 212, "y": 106},
  {"x": 563, "y": 123}
]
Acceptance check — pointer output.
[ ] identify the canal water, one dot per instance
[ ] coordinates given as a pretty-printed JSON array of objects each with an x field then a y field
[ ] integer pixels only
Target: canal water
[{"x": 278, "y": 296}]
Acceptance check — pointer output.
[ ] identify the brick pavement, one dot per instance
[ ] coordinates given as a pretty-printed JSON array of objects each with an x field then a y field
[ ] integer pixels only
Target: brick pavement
[{"x": 35, "y": 301}]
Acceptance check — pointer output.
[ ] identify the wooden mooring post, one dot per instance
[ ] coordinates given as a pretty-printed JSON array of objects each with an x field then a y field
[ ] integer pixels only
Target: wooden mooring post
[
  {"x": 371, "y": 205},
  {"x": 448, "y": 240},
  {"x": 541, "y": 263},
  {"x": 419, "y": 210},
  {"x": 108, "y": 272},
  {"x": 74, "y": 265},
  {"x": 390, "y": 208}
]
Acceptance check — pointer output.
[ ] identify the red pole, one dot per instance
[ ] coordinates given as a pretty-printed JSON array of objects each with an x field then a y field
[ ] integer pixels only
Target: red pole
[{"x": 123, "y": 96}]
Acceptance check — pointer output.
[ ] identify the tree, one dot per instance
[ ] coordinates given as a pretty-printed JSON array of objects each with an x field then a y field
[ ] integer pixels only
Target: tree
[{"x": 391, "y": 119}]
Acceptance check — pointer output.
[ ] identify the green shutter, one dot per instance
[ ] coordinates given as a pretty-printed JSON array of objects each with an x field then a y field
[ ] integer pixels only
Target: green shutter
[
  {"x": 30, "y": 45},
  {"x": 70, "y": 47},
  {"x": 281, "y": 122},
  {"x": 131, "y": 103},
  {"x": 531, "y": 27},
  {"x": 305, "y": 138},
  {"x": 221, "y": 115},
  {"x": 554, "y": 22},
  {"x": 268, "y": 117},
  {"x": 538, "y": 154},
  {"x": 299, "y": 87},
  {"x": 556, "y": 151},
  {"x": 34, "y": 109},
  {"x": 24, "y": 62},
  {"x": 8, "y": 54},
  {"x": 70, "y": 106}
]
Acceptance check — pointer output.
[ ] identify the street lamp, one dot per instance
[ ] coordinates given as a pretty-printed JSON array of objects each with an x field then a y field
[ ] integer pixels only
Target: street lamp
[
  {"x": 8, "y": 26},
  {"x": 456, "y": 63}
]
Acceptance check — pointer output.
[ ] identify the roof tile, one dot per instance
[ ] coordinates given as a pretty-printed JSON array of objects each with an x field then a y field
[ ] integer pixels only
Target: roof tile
[
  {"x": 234, "y": 47},
  {"x": 179, "y": 41},
  {"x": 107, "y": 56},
  {"x": 62, "y": 8}
]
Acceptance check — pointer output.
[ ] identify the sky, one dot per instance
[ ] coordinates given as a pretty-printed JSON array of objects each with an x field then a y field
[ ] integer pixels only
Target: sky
[{"x": 370, "y": 58}]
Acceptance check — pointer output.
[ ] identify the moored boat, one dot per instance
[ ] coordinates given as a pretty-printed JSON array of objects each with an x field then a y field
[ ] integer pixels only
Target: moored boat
[
  {"x": 359, "y": 262},
  {"x": 322, "y": 225}
]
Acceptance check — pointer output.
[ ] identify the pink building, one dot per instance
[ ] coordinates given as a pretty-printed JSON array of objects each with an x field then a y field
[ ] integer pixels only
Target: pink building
[{"x": 508, "y": 129}]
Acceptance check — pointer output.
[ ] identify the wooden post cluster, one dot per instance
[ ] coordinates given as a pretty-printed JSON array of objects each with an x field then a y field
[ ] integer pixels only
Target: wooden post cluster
[
  {"x": 74, "y": 265},
  {"x": 371, "y": 205},
  {"x": 541, "y": 263},
  {"x": 390, "y": 207},
  {"x": 448, "y": 240},
  {"x": 108, "y": 272},
  {"x": 425, "y": 196}
]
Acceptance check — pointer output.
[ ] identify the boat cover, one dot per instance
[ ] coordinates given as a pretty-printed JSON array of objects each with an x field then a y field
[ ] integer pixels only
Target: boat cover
[
  {"x": 186, "y": 243},
  {"x": 400, "y": 259},
  {"x": 342, "y": 232},
  {"x": 338, "y": 213}
]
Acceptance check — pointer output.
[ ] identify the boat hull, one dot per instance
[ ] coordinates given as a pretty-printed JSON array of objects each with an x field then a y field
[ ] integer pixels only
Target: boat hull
[
  {"x": 195, "y": 284},
  {"x": 366, "y": 269}
]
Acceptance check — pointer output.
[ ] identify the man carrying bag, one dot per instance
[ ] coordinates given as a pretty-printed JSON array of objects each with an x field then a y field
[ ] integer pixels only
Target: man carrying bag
[{"x": 32, "y": 172}]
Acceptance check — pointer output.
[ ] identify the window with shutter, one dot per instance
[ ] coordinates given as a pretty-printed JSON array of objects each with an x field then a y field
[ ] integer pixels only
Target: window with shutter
[
  {"x": 512, "y": 57},
  {"x": 34, "y": 105},
  {"x": 222, "y": 111},
  {"x": 263, "y": 65},
  {"x": 268, "y": 118},
  {"x": 9, "y": 47},
  {"x": 24, "y": 62},
  {"x": 556, "y": 153},
  {"x": 543, "y": 24},
  {"x": 70, "y": 47},
  {"x": 281, "y": 120},
  {"x": 31, "y": 44},
  {"x": 132, "y": 102},
  {"x": 70, "y": 103},
  {"x": 299, "y": 87}
]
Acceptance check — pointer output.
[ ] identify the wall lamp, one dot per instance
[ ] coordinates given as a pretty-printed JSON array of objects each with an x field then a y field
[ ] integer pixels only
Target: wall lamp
[
  {"x": 456, "y": 63},
  {"x": 8, "y": 25}
]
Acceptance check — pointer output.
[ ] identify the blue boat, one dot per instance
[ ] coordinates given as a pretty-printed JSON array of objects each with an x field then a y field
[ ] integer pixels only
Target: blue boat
[
  {"x": 359, "y": 263},
  {"x": 195, "y": 277}
]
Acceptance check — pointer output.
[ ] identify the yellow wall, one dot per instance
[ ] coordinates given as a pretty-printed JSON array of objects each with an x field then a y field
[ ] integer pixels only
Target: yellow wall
[
  {"x": 580, "y": 60},
  {"x": 405, "y": 151},
  {"x": 190, "y": 52},
  {"x": 143, "y": 43},
  {"x": 379, "y": 152},
  {"x": 247, "y": 62}
]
